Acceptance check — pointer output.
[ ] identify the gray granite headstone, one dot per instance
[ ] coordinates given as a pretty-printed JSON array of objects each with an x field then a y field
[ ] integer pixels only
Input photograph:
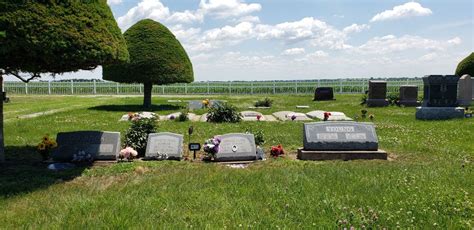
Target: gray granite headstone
[
  {"x": 377, "y": 94},
  {"x": 465, "y": 91},
  {"x": 193, "y": 105},
  {"x": 339, "y": 136},
  {"x": 237, "y": 147},
  {"x": 100, "y": 145},
  {"x": 170, "y": 144}
]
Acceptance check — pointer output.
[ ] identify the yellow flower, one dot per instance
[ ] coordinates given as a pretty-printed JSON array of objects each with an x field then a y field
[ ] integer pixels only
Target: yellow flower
[
  {"x": 45, "y": 138},
  {"x": 41, "y": 146}
]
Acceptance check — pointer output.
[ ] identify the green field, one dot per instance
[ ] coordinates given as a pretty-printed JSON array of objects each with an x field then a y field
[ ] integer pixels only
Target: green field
[{"x": 428, "y": 181}]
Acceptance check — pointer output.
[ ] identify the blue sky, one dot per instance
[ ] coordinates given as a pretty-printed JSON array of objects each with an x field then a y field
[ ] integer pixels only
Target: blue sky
[{"x": 310, "y": 39}]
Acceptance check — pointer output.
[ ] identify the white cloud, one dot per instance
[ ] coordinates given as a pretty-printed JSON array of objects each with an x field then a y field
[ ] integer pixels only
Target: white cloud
[
  {"x": 317, "y": 54},
  {"x": 186, "y": 17},
  {"x": 152, "y": 9},
  {"x": 355, "y": 28},
  {"x": 219, "y": 37},
  {"x": 455, "y": 41},
  {"x": 293, "y": 51},
  {"x": 114, "y": 2},
  {"x": 409, "y": 9},
  {"x": 318, "y": 32},
  {"x": 228, "y": 8},
  {"x": 428, "y": 57},
  {"x": 391, "y": 43},
  {"x": 249, "y": 18}
]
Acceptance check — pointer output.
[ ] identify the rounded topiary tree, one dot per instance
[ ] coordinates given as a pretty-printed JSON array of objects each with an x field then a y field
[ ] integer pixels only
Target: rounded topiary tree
[
  {"x": 58, "y": 36},
  {"x": 466, "y": 66},
  {"x": 156, "y": 57},
  {"x": 51, "y": 36}
]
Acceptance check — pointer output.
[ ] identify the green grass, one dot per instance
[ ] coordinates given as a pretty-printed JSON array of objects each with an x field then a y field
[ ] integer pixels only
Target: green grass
[{"x": 428, "y": 183}]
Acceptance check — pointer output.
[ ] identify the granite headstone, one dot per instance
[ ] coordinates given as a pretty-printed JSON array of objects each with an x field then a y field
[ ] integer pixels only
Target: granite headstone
[
  {"x": 440, "y": 98},
  {"x": 100, "y": 145},
  {"x": 377, "y": 94},
  {"x": 409, "y": 95},
  {"x": 237, "y": 147},
  {"x": 340, "y": 140},
  {"x": 323, "y": 94},
  {"x": 465, "y": 91},
  {"x": 159, "y": 144}
]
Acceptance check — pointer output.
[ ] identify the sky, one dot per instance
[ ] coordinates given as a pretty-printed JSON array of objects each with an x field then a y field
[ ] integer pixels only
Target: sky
[{"x": 309, "y": 39}]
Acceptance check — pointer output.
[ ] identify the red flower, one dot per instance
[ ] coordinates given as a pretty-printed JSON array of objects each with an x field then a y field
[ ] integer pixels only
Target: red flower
[{"x": 277, "y": 151}]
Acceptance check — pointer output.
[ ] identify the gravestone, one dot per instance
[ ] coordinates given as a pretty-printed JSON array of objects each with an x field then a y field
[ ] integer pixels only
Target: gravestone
[
  {"x": 377, "y": 94},
  {"x": 193, "y": 105},
  {"x": 100, "y": 145},
  {"x": 465, "y": 91},
  {"x": 323, "y": 94},
  {"x": 409, "y": 95},
  {"x": 170, "y": 144},
  {"x": 237, "y": 147},
  {"x": 440, "y": 98},
  {"x": 335, "y": 116},
  {"x": 340, "y": 140},
  {"x": 286, "y": 116},
  {"x": 252, "y": 116}
]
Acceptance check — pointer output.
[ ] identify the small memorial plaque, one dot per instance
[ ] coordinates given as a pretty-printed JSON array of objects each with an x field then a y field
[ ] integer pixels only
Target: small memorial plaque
[
  {"x": 237, "y": 147},
  {"x": 160, "y": 144},
  {"x": 100, "y": 145},
  {"x": 340, "y": 136}
]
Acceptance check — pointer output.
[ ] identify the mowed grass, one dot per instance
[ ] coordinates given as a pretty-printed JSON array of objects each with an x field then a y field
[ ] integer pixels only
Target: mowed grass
[{"x": 427, "y": 183}]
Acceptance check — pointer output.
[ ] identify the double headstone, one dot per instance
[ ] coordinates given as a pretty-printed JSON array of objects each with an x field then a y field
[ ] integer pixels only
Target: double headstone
[
  {"x": 164, "y": 146},
  {"x": 100, "y": 145},
  {"x": 409, "y": 95},
  {"x": 440, "y": 98},
  {"x": 465, "y": 91},
  {"x": 237, "y": 147},
  {"x": 324, "y": 94},
  {"x": 377, "y": 94},
  {"x": 340, "y": 141}
]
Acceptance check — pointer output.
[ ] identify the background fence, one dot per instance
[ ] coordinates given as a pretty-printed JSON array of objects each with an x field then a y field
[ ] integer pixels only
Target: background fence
[{"x": 347, "y": 86}]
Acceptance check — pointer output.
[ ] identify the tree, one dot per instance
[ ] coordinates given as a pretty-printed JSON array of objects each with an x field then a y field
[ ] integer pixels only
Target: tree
[
  {"x": 50, "y": 36},
  {"x": 466, "y": 66},
  {"x": 156, "y": 57}
]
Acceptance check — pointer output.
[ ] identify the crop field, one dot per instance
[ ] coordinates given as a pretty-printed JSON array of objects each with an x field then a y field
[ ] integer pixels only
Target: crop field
[{"x": 347, "y": 86}]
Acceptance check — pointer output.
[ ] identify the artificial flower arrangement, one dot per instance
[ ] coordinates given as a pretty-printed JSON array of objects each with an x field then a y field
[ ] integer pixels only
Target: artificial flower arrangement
[
  {"x": 277, "y": 151},
  {"x": 82, "y": 156},
  {"x": 206, "y": 103},
  {"x": 363, "y": 113},
  {"x": 293, "y": 117},
  {"x": 211, "y": 147},
  {"x": 326, "y": 116},
  {"x": 371, "y": 117},
  {"x": 128, "y": 154},
  {"x": 138, "y": 116},
  {"x": 45, "y": 146}
]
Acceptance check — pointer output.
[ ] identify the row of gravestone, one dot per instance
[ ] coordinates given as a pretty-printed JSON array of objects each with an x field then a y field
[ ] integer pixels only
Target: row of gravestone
[{"x": 322, "y": 141}]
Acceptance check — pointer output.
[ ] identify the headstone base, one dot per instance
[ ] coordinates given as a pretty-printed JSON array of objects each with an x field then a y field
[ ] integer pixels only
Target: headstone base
[
  {"x": 410, "y": 103},
  {"x": 312, "y": 155},
  {"x": 439, "y": 113},
  {"x": 377, "y": 102}
]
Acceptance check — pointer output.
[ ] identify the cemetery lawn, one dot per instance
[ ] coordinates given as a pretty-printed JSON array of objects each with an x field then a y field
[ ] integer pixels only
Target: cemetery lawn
[{"x": 427, "y": 183}]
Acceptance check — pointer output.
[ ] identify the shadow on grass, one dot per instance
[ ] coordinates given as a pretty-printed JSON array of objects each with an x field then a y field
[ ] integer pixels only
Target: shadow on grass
[
  {"x": 136, "y": 108},
  {"x": 24, "y": 172}
]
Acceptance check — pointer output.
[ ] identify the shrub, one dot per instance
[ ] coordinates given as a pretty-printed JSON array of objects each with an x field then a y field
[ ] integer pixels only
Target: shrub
[
  {"x": 258, "y": 135},
  {"x": 223, "y": 112},
  {"x": 183, "y": 116},
  {"x": 267, "y": 102},
  {"x": 466, "y": 66},
  {"x": 137, "y": 134},
  {"x": 393, "y": 98}
]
